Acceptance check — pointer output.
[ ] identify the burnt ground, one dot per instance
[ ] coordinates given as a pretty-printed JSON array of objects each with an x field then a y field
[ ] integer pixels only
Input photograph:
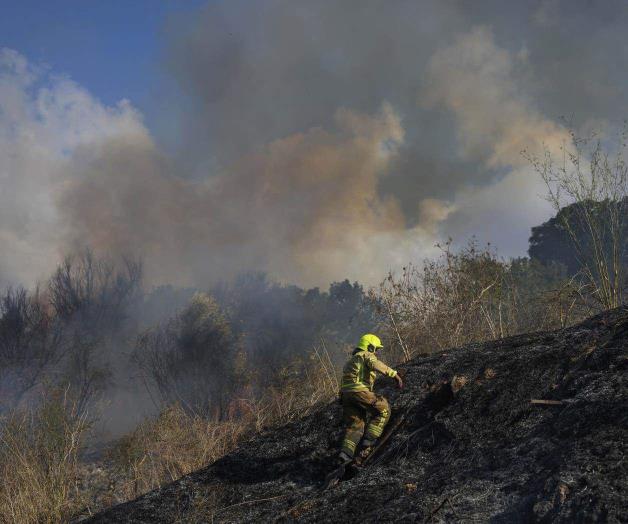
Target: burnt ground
[{"x": 472, "y": 447}]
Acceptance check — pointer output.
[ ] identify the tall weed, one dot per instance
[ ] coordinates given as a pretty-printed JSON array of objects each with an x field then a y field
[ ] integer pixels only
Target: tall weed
[{"x": 39, "y": 451}]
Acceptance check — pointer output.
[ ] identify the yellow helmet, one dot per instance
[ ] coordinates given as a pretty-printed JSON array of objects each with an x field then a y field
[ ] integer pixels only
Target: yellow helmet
[{"x": 370, "y": 342}]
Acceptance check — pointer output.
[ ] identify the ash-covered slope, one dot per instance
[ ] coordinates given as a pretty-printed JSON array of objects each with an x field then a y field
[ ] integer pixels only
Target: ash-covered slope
[{"x": 472, "y": 448}]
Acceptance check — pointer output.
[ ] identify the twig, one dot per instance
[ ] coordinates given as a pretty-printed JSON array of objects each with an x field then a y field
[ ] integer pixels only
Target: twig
[
  {"x": 289, "y": 510},
  {"x": 434, "y": 512},
  {"x": 452, "y": 509},
  {"x": 220, "y": 510},
  {"x": 406, "y": 353},
  {"x": 546, "y": 402},
  {"x": 405, "y": 441}
]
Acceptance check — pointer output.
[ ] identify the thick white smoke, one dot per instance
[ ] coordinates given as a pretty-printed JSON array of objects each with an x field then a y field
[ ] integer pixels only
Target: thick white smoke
[{"x": 43, "y": 120}]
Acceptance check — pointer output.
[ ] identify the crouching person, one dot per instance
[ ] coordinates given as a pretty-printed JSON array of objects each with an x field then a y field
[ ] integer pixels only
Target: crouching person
[{"x": 359, "y": 403}]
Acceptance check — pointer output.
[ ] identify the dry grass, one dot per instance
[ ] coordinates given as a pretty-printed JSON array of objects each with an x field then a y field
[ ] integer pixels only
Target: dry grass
[
  {"x": 178, "y": 442},
  {"x": 173, "y": 444},
  {"x": 44, "y": 480},
  {"x": 39, "y": 462},
  {"x": 301, "y": 390}
]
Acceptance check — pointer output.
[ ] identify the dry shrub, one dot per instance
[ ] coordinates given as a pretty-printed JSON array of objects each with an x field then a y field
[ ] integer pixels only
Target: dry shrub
[
  {"x": 39, "y": 462},
  {"x": 470, "y": 296},
  {"x": 30, "y": 344},
  {"x": 178, "y": 442},
  {"x": 173, "y": 444},
  {"x": 588, "y": 187},
  {"x": 298, "y": 390},
  {"x": 193, "y": 359},
  {"x": 91, "y": 299},
  {"x": 444, "y": 304}
]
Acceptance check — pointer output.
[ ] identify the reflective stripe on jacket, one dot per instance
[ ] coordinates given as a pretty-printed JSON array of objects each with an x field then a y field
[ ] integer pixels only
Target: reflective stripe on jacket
[{"x": 359, "y": 372}]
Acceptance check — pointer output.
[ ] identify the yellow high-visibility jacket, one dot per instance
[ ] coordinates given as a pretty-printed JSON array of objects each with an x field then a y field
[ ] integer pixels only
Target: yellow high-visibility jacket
[{"x": 359, "y": 372}]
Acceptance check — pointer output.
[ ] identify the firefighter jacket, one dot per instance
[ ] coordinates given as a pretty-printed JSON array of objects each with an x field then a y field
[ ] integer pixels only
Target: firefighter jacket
[{"x": 360, "y": 371}]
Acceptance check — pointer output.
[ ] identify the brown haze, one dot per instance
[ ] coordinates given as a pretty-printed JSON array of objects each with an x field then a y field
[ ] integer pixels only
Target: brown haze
[{"x": 302, "y": 206}]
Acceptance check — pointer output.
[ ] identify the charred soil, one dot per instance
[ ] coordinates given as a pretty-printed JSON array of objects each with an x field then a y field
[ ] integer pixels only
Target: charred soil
[{"x": 472, "y": 446}]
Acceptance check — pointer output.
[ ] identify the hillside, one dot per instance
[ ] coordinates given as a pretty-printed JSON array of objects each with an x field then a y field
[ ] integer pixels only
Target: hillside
[{"x": 472, "y": 448}]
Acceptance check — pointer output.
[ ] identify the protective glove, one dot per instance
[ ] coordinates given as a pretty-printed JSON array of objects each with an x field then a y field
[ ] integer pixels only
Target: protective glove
[{"x": 399, "y": 381}]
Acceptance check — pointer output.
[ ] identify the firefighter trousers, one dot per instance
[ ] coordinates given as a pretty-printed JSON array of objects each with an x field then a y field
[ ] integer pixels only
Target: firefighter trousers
[{"x": 357, "y": 406}]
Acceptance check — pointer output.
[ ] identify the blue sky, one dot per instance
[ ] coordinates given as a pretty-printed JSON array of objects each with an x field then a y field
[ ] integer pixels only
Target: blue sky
[{"x": 111, "y": 47}]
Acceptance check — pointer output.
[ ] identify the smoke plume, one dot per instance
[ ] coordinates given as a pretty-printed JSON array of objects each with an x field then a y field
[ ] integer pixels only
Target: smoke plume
[{"x": 318, "y": 140}]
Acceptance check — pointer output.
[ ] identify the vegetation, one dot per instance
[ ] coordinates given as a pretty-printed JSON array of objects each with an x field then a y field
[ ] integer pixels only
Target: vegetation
[
  {"x": 168, "y": 446},
  {"x": 192, "y": 359},
  {"x": 471, "y": 296},
  {"x": 588, "y": 188},
  {"x": 247, "y": 340},
  {"x": 30, "y": 343},
  {"x": 223, "y": 363},
  {"x": 39, "y": 461}
]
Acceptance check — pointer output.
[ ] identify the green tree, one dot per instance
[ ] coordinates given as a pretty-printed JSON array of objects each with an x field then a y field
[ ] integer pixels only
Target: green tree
[
  {"x": 588, "y": 189},
  {"x": 552, "y": 242}
]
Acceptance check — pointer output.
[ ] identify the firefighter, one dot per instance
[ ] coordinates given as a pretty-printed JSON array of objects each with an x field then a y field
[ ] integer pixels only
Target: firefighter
[{"x": 358, "y": 400}]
